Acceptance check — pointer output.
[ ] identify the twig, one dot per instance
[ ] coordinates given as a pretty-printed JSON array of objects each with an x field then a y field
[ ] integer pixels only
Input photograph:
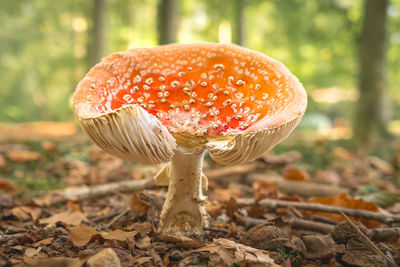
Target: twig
[
  {"x": 116, "y": 218},
  {"x": 306, "y": 189},
  {"x": 216, "y": 229},
  {"x": 6, "y": 238},
  {"x": 87, "y": 192},
  {"x": 296, "y": 223},
  {"x": 234, "y": 170},
  {"x": 367, "y": 242},
  {"x": 365, "y": 214}
]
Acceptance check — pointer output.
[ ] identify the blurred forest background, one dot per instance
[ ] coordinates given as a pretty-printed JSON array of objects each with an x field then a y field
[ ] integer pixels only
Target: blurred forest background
[{"x": 346, "y": 52}]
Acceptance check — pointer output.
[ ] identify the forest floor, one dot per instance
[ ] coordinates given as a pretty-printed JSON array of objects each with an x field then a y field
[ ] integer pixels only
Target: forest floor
[{"x": 64, "y": 202}]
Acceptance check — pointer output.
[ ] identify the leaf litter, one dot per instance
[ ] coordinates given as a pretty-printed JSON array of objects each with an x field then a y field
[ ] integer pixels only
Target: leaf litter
[{"x": 121, "y": 228}]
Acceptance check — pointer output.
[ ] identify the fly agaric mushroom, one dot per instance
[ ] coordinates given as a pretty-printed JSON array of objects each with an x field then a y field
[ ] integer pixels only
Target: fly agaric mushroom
[{"x": 173, "y": 102}]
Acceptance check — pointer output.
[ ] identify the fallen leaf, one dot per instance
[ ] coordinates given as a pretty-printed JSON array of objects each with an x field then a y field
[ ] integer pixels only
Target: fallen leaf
[
  {"x": 225, "y": 194},
  {"x": 105, "y": 258},
  {"x": 295, "y": 174},
  {"x": 8, "y": 187},
  {"x": 45, "y": 241},
  {"x": 144, "y": 242},
  {"x": 55, "y": 262},
  {"x": 23, "y": 156},
  {"x": 318, "y": 247},
  {"x": 2, "y": 161},
  {"x": 344, "y": 154},
  {"x": 81, "y": 235},
  {"x": 381, "y": 165},
  {"x": 265, "y": 190},
  {"x": 182, "y": 241},
  {"x": 22, "y": 213},
  {"x": 48, "y": 146},
  {"x": 138, "y": 205},
  {"x": 345, "y": 201},
  {"x": 118, "y": 235},
  {"x": 266, "y": 237},
  {"x": 32, "y": 252},
  {"x": 382, "y": 198},
  {"x": 68, "y": 217},
  {"x": 227, "y": 252}
]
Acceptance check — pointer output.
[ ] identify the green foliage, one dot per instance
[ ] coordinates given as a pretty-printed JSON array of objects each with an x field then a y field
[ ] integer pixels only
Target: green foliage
[{"x": 44, "y": 45}]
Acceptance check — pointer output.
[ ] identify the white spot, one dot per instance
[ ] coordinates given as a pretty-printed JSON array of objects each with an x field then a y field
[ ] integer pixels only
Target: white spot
[
  {"x": 174, "y": 83},
  {"x": 137, "y": 79},
  {"x": 240, "y": 83},
  {"x": 219, "y": 67},
  {"x": 149, "y": 81}
]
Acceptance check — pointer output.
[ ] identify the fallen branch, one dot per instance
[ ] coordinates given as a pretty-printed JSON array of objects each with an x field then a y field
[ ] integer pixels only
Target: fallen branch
[
  {"x": 306, "y": 189},
  {"x": 88, "y": 192},
  {"x": 365, "y": 214},
  {"x": 294, "y": 222}
]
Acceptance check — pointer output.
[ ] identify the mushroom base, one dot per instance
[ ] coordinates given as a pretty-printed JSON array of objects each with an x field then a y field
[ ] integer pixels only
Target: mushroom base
[{"x": 184, "y": 211}]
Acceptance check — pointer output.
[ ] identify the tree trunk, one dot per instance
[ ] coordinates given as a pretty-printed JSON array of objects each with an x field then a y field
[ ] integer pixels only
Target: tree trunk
[
  {"x": 239, "y": 22},
  {"x": 370, "y": 115},
  {"x": 97, "y": 44},
  {"x": 167, "y": 21}
]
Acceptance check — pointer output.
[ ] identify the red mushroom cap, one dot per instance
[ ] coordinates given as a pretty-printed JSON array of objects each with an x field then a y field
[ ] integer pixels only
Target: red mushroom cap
[{"x": 200, "y": 90}]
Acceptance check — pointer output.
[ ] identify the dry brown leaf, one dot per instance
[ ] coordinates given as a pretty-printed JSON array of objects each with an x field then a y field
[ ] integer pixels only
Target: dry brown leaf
[
  {"x": 32, "y": 252},
  {"x": 25, "y": 213},
  {"x": 344, "y": 154},
  {"x": 138, "y": 205},
  {"x": 81, "y": 235},
  {"x": 225, "y": 194},
  {"x": 381, "y": 165},
  {"x": 214, "y": 208},
  {"x": 182, "y": 241},
  {"x": 68, "y": 217},
  {"x": 226, "y": 252},
  {"x": 48, "y": 146},
  {"x": 118, "y": 235},
  {"x": 105, "y": 258},
  {"x": 2, "y": 161},
  {"x": 318, "y": 247},
  {"x": 295, "y": 174},
  {"x": 45, "y": 241},
  {"x": 54, "y": 262},
  {"x": 23, "y": 156},
  {"x": 265, "y": 190},
  {"x": 346, "y": 201},
  {"x": 8, "y": 187}
]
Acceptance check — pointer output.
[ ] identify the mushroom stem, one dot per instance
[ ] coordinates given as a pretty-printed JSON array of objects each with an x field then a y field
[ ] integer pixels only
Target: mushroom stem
[{"x": 184, "y": 211}]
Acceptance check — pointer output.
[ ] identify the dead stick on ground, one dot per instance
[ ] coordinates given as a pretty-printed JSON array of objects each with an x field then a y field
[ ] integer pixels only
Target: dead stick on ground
[
  {"x": 296, "y": 223},
  {"x": 307, "y": 189},
  {"x": 365, "y": 214},
  {"x": 116, "y": 218},
  {"x": 87, "y": 192},
  {"x": 367, "y": 242}
]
